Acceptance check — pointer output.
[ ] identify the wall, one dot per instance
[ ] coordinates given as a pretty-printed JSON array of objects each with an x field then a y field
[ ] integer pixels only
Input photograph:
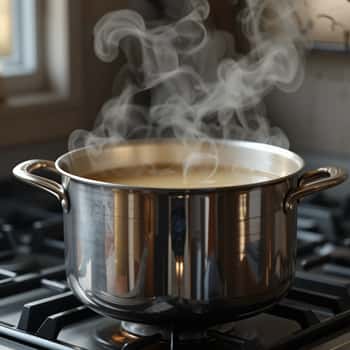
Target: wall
[
  {"x": 98, "y": 76},
  {"x": 317, "y": 116}
]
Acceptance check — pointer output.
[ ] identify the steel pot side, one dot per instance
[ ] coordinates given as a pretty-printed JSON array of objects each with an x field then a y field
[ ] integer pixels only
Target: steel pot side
[{"x": 206, "y": 256}]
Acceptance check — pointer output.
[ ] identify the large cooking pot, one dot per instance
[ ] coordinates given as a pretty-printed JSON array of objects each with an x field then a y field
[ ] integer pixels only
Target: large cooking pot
[{"x": 184, "y": 257}]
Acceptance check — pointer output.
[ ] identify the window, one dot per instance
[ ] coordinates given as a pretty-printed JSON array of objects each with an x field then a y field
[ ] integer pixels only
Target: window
[
  {"x": 18, "y": 47},
  {"x": 22, "y": 45},
  {"x": 5, "y": 28},
  {"x": 42, "y": 69}
]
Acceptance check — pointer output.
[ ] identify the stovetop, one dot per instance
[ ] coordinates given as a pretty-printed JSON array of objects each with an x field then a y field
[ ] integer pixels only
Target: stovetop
[{"x": 38, "y": 311}]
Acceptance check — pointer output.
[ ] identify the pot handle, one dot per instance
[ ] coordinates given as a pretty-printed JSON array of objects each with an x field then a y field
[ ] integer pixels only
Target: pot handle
[
  {"x": 24, "y": 171},
  {"x": 314, "y": 181}
]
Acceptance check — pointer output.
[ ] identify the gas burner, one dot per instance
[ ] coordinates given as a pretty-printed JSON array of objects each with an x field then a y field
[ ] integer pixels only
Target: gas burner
[
  {"x": 129, "y": 335},
  {"x": 115, "y": 337},
  {"x": 142, "y": 330}
]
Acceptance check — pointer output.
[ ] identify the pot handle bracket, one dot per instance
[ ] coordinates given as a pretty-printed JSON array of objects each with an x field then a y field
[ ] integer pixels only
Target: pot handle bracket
[
  {"x": 24, "y": 171},
  {"x": 314, "y": 181}
]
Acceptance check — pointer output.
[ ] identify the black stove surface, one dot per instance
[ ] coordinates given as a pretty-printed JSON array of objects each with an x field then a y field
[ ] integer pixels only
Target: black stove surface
[{"x": 38, "y": 311}]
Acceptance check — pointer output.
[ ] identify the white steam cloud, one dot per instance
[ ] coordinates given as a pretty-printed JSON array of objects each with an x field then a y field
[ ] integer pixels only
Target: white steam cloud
[{"x": 183, "y": 78}]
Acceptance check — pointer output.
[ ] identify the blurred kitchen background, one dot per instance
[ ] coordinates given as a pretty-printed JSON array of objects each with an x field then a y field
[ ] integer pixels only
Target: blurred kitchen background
[{"x": 52, "y": 83}]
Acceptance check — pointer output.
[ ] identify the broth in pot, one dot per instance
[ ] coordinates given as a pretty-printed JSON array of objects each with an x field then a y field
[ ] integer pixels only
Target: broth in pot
[{"x": 176, "y": 177}]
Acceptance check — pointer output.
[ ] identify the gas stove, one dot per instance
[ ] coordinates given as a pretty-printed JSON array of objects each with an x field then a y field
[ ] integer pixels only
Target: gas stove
[{"x": 38, "y": 310}]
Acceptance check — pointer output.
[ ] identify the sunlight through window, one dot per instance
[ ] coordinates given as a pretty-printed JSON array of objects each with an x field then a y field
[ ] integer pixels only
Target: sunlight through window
[{"x": 5, "y": 28}]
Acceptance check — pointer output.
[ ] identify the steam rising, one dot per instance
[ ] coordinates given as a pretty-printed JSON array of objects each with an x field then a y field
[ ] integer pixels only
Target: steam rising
[{"x": 183, "y": 78}]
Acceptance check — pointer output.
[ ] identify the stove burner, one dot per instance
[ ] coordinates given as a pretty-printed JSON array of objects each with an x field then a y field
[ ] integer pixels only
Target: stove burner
[
  {"x": 115, "y": 337},
  {"x": 142, "y": 330},
  {"x": 131, "y": 336}
]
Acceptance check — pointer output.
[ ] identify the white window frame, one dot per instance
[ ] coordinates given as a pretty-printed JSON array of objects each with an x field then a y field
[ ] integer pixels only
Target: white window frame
[
  {"x": 24, "y": 69},
  {"x": 23, "y": 59}
]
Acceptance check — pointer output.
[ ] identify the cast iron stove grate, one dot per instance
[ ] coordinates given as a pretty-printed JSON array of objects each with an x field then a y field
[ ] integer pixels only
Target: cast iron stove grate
[
  {"x": 317, "y": 308},
  {"x": 316, "y": 313}
]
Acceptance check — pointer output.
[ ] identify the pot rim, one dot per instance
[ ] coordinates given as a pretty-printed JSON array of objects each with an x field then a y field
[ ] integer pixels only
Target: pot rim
[{"x": 247, "y": 144}]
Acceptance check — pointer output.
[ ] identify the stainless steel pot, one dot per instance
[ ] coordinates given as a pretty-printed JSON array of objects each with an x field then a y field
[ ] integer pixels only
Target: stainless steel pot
[{"x": 189, "y": 258}]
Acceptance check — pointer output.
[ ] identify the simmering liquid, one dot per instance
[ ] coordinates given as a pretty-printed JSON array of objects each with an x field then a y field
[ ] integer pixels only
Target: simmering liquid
[{"x": 176, "y": 177}]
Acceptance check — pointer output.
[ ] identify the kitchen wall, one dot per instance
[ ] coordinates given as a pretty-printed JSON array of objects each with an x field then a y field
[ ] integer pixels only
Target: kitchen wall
[
  {"x": 317, "y": 116},
  {"x": 98, "y": 76}
]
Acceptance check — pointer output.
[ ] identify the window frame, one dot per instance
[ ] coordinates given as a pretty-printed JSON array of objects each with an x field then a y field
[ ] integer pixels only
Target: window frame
[
  {"x": 49, "y": 108},
  {"x": 23, "y": 59},
  {"x": 24, "y": 70}
]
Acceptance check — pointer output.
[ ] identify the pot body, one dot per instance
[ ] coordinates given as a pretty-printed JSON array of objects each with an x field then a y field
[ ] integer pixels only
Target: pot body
[{"x": 183, "y": 258}]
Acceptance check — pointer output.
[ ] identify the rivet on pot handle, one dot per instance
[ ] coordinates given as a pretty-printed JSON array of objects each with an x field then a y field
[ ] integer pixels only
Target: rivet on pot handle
[
  {"x": 314, "y": 181},
  {"x": 24, "y": 171}
]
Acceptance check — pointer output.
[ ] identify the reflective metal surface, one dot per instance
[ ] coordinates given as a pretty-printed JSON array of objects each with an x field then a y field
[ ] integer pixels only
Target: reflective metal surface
[
  {"x": 182, "y": 258},
  {"x": 314, "y": 181},
  {"x": 25, "y": 170},
  {"x": 168, "y": 257}
]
